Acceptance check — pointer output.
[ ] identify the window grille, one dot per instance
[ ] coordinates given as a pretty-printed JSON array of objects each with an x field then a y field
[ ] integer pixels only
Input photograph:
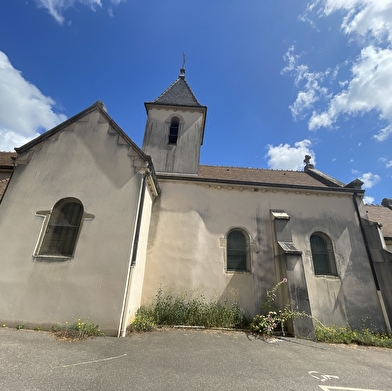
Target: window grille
[
  {"x": 63, "y": 228},
  {"x": 322, "y": 254},
  {"x": 173, "y": 131},
  {"x": 237, "y": 251}
]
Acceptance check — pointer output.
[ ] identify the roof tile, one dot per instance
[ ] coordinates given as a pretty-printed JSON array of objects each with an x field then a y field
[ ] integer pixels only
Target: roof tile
[
  {"x": 382, "y": 215},
  {"x": 178, "y": 94},
  {"x": 257, "y": 175},
  {"x": 6, "y": 158},
  {"x": 3, "y": 185}
]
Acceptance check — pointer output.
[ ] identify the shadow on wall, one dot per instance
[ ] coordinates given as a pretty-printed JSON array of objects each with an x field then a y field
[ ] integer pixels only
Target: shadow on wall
[{"x": 239, "y": 287}]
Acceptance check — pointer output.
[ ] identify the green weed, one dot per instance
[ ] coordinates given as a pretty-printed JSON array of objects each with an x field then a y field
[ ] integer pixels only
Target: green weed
[
  {"x": 346, "y": 335},
  {"x": 77, "y": 331},
  {"x": 188, "y": 309},
  {"x": 271, "y": 319}
]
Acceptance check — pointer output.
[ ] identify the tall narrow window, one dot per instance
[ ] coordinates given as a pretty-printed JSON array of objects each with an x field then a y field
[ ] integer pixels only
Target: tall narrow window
[
  {"x": 237, "y": 251},
  {"x": 322, "y": 254},
  {"x": 173, "y": 131},
  {"x": 63, "y": 228}
]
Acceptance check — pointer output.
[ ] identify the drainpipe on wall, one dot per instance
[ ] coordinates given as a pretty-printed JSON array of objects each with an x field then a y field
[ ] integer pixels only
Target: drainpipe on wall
[
  {"x": 374, "y": 273},
  {"x": 132, "y": 259}
]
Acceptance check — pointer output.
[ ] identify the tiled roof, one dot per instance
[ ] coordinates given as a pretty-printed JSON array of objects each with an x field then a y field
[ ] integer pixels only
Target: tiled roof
[
  {"x": 382, "y": 215},
  {"x": 3, "y": 185},
  {"x": 178, "y": 94},
  {"x": 257, "y": 175},
  {"x": 6, "y": 158}
]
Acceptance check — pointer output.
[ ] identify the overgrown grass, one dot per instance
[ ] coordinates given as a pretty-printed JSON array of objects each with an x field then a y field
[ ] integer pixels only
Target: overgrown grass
[
  {"x": 189, "y": 309},
  {"x": 346, "y": 335},
  {"x": 77, "y": 331}
]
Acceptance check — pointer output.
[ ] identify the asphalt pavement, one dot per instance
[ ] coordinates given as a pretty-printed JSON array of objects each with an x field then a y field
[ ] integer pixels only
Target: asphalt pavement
[{"x": 186, "y": 359}]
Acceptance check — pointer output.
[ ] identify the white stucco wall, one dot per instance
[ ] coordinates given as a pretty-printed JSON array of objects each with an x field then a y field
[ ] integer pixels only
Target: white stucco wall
[
  {"x": 87, "y": 162},
  {"x": 182, "y": 157},
  {"x": 186, "y": 246}
]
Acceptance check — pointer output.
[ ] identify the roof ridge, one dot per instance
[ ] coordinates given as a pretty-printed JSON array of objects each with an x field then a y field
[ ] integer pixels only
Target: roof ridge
[
  {"x": 190, "y": 90},
  {"x": 167, "y": 89}
]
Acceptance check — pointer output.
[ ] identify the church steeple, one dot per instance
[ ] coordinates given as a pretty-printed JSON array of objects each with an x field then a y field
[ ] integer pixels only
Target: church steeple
[
  {"x": 177, "y": 94},
  {"x": 175, "y": 128}
]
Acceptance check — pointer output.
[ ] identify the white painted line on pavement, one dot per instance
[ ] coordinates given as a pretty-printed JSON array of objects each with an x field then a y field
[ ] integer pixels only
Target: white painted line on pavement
[
  {"x": 321, "y": 377},
  {"x": 90, "y": 362},
  {"x": 329, "y": 388}
]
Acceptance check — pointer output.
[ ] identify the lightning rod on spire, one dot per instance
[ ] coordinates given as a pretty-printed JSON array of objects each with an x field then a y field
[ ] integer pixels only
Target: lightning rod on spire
[{"x": 182, "y": 70}]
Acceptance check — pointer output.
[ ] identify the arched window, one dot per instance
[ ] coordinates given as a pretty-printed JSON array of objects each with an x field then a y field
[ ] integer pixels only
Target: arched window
[
  {"x": 237, "y": 251},
  {"x": 62, "y": 230},
  {"x": 173, "y": 131},
  {"x": 322, "y": 254}
]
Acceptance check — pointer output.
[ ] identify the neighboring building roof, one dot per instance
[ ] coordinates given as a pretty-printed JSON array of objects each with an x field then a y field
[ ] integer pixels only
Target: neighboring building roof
[
  {"x": 383, "y": 215},
  {"x": 178, "y": 94},
  {"x": 6, "y": 159},
  {"x": 3, "y": 185}
]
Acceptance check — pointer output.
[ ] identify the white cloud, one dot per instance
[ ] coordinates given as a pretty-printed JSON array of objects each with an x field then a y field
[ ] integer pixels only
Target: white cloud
[
  {"x": 364, "y": 17},
  {"x": 369, "y": 180},
  {"x": 309, "y": 81},
  {"x": 368, "y": 200},
  {"x": 9, "y": 140},
  {"x": 286, "y": 157},
  {"x": 383, "y": 134},
  {"x": 23, "y": 108},
  {"x": 389, "y": 164},
  {"x": 368, "y": 88},
  {"x": 57, "y": 7}
]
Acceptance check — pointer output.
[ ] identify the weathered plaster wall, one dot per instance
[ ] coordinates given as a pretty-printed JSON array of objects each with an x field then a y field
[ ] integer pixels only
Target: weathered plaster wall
[
  {"x": 182, "y": 157},
  {"x": 138, "y": 270},
  {"x": 87, "y": 162},
  {"x": 186, "y": 247},
  {"x": 382, "y": 259}
]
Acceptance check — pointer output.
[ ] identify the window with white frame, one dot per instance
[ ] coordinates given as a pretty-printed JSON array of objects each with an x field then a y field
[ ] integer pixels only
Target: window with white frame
[{"x": 60, "y": 234}]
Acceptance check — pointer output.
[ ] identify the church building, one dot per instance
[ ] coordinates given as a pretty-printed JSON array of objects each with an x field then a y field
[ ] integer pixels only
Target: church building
[{"x": 92, "y": 225}]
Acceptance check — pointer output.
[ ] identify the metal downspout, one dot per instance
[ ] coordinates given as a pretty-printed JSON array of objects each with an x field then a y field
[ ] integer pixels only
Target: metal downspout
[
  {"x": 132, "y": 259},
  {"x": 370, "y": 258}
]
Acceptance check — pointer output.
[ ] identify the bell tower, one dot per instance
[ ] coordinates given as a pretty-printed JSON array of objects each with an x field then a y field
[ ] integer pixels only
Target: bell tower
[{"x": 174, "y": 129}]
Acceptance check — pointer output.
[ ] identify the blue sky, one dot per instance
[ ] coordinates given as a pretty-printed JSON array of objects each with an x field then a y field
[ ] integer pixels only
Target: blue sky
[{"x": 281, "y": 79}]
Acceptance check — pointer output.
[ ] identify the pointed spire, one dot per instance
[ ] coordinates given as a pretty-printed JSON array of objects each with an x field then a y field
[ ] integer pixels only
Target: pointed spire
[
  {"x": 182, "y": 70},
  {"x": 179, "y": 93}
]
